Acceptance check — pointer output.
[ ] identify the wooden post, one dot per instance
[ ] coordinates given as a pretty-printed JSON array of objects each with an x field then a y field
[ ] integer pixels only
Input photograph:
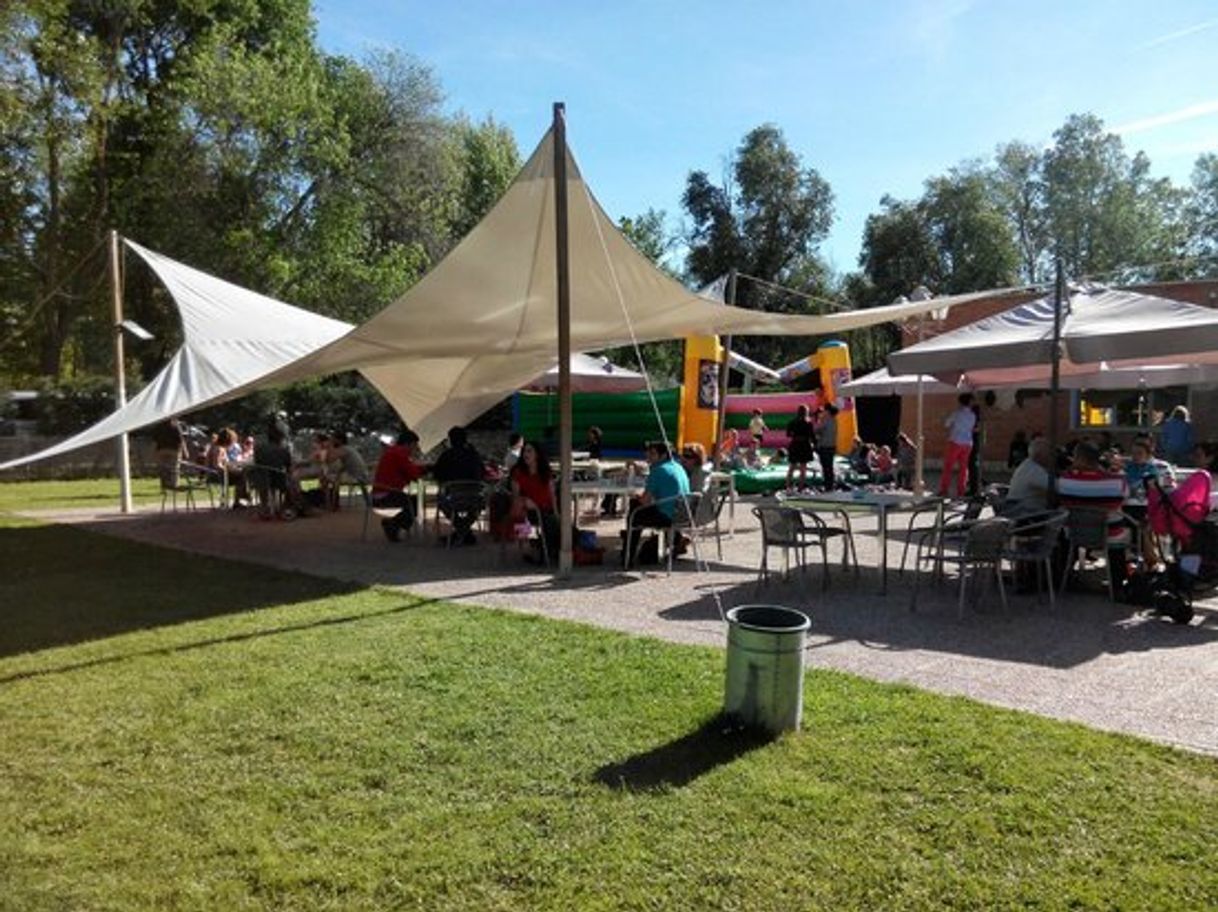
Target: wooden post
[
  {"x": 562, "y": 261},
  {"x": 120, "y": 379}
]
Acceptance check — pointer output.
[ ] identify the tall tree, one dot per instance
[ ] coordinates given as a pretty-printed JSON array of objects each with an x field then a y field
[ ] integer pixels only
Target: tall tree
[
  {"x": 1202, "y": 214},
  {"x": 767, "y": 221}
]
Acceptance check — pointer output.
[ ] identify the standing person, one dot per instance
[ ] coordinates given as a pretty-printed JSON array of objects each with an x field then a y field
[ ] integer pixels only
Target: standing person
[
  {"x": 959, "y": 426},
  {"x": 826, "y": 447},
  {"x": 802, "y": 436},
  {"x": 170, "y": 450},
  {"x": 907, "y": 461},
  {"x": 1176, "y": 437},
  {"x": 395, "y": 470},
  {"x": 757, "y": 427},
  {"x": 974, "y": 464},
  {"x": 595, "y": 442}
]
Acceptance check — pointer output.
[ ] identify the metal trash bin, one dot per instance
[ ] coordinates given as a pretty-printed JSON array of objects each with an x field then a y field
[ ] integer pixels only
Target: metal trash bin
[{"x": 765, "y": 666}]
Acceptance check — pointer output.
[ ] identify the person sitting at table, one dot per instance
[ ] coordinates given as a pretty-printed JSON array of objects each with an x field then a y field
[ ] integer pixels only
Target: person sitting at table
[
  {"x": 1205, "y": 456},
  {"x": 460, "y": 462},
  {"x": 345, "y": 465},
  {"x": 656, "y": 507},
  {"x": 533, "y": 491},
  {"x": 693, "y": 460},
  {"x": 1141, "y": 467},
  {"x": 802, "y": 434},
  {"x": 273, "y": 474},
  {"x": 317, "y": 463},
  {"x": 881, "y": 464},
  {"x": 395, "y": 470},
  {"x": 1029, "y": 488},
  {"x": 1087, "y": 484}
]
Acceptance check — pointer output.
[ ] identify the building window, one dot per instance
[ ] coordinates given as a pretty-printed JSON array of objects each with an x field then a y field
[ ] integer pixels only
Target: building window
[{"x": 1124, "y": 410}]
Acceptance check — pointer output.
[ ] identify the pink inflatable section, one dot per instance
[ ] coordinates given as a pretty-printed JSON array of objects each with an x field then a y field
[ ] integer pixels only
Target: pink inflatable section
[{"x": 776, "y": 408}]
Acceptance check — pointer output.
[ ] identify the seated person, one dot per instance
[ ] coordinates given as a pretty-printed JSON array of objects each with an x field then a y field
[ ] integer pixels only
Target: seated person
[
  {"x": 345, "y": 465},
  {"x": 460, "y": 462},
  {"x": 779, "y": 458},
  {"x": 656, "y": 507},
  {"x": 1029, "y": 489},
  {"x": 859, "y": 457},
  {"x": 1205, "y": 456},
  {"x": 1141, "y": 467},
  {"x": 1086, "y": 484},
  {"x": 395, "y": 470},
  {"x": 729, "y": 449},
  {"x": 272, "y": 472},
  {"x": 881, "y": 464},
  {"x": 317, "y": 463},
  {"x": 533, "y": 488},
  {"x": 693, "y": 460}
]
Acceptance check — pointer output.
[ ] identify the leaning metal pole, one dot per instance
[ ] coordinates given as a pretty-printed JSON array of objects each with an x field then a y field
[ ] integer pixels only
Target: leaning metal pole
[
  {"x": 120, "y": 379},
  {"x": 1055, "y": 377},
  {"x": 565, "y": 498},
  {"x": 721, "y": 413}
]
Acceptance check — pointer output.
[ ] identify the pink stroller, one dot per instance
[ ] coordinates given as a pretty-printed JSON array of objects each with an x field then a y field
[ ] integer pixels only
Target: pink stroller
[{"x": 1192, "y": 559}]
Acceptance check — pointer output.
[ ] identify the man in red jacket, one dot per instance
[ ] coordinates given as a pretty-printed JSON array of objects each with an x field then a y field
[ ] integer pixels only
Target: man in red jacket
[{"x": 395, "y": 470}]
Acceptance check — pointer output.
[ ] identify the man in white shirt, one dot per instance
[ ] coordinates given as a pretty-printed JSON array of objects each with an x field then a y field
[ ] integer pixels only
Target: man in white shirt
[
  {"x": 960, "y": 425},
  {"x": 1029, "y": 490}
]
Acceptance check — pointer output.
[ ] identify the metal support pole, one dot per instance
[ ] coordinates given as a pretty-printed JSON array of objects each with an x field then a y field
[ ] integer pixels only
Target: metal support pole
[
  {"x": 721, "y": 414},
  {"x": 565, "y": 422},
  {"x": 920, "y": 455},
  {"x": 1055, "y": 377},
  {"x": 120, "y": 379}
]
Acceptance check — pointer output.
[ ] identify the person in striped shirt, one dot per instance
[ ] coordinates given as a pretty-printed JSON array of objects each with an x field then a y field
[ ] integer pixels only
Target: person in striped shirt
[{"x": 1087, "y": 484}]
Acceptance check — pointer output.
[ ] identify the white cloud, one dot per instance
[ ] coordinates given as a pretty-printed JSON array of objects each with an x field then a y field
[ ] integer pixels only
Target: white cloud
[
  {"x": 1192, "y": 112},
  {"x": 1180, "y": 33}
]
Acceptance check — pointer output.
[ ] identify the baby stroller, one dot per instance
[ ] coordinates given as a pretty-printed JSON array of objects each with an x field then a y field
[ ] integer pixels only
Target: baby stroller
[{"x": 1192, "y": 560}]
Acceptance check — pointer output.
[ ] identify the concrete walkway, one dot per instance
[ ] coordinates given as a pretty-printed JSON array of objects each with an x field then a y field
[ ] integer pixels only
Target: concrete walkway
[{"x": 1108, "y": 666}]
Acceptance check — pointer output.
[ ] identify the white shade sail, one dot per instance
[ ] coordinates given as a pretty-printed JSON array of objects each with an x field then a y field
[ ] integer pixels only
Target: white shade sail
[
  {"x": 478, "y": 326},
  {"x": 232, "y": 337}
]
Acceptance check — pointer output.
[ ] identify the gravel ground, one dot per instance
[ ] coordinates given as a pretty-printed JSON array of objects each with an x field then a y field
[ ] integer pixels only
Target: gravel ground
[{"x": 1108, "y": 666}]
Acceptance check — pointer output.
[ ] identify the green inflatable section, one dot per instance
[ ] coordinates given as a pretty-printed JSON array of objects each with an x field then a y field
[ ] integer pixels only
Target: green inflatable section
[
  {"x": 774, "y": 478},
  {"x": 626, "y": 420}
]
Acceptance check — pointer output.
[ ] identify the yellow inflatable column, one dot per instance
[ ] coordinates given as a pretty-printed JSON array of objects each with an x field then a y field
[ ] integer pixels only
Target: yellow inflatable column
[
  {"x": 700, "y": 392},
  {"x": 833, "y": 360}
]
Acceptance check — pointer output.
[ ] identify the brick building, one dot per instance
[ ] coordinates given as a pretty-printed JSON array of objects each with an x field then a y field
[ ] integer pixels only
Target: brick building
[{"x": 1029, "y": 410}]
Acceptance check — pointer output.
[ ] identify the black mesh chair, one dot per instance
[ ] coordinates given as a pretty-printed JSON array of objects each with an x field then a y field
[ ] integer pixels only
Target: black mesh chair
[{"x": 463, "y": 502}]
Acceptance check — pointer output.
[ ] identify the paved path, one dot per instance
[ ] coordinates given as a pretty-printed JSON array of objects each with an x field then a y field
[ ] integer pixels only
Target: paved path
[{"x": 1105, "y": 665}]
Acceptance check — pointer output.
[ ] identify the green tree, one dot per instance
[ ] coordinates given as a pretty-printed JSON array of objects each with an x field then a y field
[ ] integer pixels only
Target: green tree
[
  {"x": 1019, "y": 192},
  {"x": 1202, "y": 215},
  {"x": 766, "y": 221},
  {"x": 486, "y": 162}
]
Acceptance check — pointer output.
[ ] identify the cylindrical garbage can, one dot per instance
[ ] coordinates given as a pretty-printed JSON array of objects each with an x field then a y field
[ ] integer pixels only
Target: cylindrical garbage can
[{"x": 765, "y": 666}]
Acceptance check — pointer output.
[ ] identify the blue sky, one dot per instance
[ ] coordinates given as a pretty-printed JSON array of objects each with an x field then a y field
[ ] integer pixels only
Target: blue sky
[{"x": 877, "y": 96}]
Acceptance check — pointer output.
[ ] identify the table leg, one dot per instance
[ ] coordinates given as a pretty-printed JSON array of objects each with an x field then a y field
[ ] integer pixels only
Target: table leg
[
  {"x": 731, "y": 506},
  {"x": 883, "y": 514}
]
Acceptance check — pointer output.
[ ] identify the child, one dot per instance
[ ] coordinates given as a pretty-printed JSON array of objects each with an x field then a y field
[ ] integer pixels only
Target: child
[{"x": 757, "y": 428}]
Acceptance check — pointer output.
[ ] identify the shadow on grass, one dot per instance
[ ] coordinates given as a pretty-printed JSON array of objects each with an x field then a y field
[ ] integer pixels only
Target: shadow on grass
[
  {"x": 61, "y": 586},
  {"x": 214, "y": 641},
  {"x": 716, "y": 742}
]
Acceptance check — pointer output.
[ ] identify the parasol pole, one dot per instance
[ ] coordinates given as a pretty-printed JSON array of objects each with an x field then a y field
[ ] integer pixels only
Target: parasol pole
[
  {"x": 565, "y": 498},
  {"x": 920, "y": 456},
  {"x": 1055, "y": 377}
]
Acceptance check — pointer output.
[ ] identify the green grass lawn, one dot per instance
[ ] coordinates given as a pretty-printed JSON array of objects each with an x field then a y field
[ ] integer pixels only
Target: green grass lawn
[
  {"x": 93, "y": 492},
  {"x": 182, "y": 733}
]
